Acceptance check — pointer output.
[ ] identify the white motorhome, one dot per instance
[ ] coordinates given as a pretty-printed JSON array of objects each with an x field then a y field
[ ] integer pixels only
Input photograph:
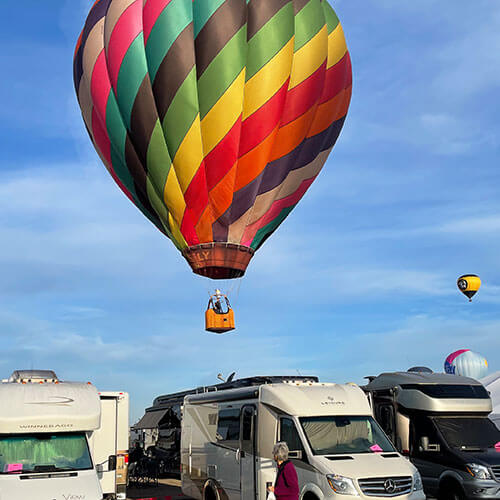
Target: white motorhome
[
  {"x": 112, "y": 439},
  {"x": 337, "y": 447},
  {"x": 47, "y": 445}
]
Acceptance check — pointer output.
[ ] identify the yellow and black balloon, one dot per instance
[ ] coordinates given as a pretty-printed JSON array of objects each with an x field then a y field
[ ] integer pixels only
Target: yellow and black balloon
[{"x": 469, "y": 285}]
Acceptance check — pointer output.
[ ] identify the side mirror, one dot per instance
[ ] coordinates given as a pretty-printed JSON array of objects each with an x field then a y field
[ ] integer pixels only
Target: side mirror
[
  {"x": 426, "y": 446},
  {"x": 424, "y": 443},
  {"x": 112, "y": 462},
  {"x": 295, "y": 454}
]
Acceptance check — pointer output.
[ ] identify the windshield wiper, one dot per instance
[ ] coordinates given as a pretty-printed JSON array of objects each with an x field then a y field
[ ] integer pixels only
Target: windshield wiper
[{"x": 50, "y": 468}]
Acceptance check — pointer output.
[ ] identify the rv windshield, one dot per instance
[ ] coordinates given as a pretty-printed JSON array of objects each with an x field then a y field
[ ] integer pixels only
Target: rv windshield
[
  {"x": 24, "y": 453},
  {"x": 468, "y": 433},
  {"x": 337, "y": 435}
]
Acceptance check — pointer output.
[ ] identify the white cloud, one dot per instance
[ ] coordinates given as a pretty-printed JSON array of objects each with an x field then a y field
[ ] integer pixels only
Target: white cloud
[{"x": 419, "y": 340}]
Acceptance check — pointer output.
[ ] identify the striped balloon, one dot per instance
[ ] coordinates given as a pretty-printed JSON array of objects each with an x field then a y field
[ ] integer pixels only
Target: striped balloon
[
  {"x": 213, "y": 116},
  {"x": 466, "y": 363}
]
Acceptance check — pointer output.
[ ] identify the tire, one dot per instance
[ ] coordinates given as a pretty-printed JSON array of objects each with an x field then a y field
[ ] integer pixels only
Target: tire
[
  {"x": 451, "y": 491},
  {"x": 209, "y": 494},
  {"x": 309, "y": 496}
]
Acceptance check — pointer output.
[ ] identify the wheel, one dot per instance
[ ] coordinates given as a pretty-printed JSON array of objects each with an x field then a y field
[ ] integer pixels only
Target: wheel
[
  {"x": 451, "y": 491},
  {"x": 310, "y": 496},
  {"x": 209, "y": 494}
]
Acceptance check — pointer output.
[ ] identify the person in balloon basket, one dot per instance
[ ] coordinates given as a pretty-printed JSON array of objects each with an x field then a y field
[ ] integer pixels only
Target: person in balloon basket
[{"x": 286, "y": 486}]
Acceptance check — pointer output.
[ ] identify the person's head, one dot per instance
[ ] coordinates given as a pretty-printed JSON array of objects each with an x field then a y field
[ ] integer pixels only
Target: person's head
[{"x": 280, "y": 452}]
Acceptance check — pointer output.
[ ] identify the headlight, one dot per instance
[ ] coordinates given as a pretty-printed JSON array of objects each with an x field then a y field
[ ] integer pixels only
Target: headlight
[
  {"x": 478, "y": 471},
  {"x": 417, "y": 482},
  {"x": 342, "y": 485}
]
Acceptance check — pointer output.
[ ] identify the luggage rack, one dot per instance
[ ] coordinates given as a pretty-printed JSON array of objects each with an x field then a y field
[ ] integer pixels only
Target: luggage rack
[{"x": 170, "y": 399}]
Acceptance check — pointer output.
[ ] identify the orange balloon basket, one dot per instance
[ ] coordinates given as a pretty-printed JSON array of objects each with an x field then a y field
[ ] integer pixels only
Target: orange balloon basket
[
  {"x": 219, "y": 323},
  {"x": 219, "y": 261}
]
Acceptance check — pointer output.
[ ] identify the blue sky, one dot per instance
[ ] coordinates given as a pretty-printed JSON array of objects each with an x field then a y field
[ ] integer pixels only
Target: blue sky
[{"x": 360, "y": 279}]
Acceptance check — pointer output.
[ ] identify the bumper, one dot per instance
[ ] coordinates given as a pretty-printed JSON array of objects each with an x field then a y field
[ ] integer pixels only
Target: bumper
[
  {"x": 416, "y": 495},
  {"x": 487, "y": 489}
]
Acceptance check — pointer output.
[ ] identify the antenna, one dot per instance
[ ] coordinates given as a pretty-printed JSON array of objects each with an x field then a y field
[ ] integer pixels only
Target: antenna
[{"x": 231, "y": 377}]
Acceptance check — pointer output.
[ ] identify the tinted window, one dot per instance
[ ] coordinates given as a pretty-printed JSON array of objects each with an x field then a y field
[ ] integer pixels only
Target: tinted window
[
  {"x": 228, "y": 427},
  {"x": 422, "y": 426},
  {"x": 386, "y": 419},
  {"x": 469, "y": 432},
  {"x": 246, "y": 428},
  {"x": 444, "y": 391},
  {"x": 289, "y": 434}
]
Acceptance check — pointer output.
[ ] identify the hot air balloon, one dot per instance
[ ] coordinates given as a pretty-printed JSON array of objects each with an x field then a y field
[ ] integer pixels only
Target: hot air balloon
[
  {"x": 213, "y": 116},
  {"x": 469, "y": 284},
  {"x": 466, "y": 363}
]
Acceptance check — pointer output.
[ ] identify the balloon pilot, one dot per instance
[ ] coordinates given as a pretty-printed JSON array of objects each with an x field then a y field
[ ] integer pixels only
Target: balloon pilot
[{"x": 219, "y": 316}]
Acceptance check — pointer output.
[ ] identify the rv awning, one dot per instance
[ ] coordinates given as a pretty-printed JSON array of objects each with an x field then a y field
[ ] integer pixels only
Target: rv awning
[{"x": 151, "y": 419}]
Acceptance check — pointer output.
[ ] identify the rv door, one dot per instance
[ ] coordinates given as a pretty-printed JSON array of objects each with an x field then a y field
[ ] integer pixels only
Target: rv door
[
  {"x": 228, "y": 454},
  {"x": 248, "y": 475}
]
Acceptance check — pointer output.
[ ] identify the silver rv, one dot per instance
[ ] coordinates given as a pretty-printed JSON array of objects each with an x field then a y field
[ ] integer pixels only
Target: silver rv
[{"x": 441, "y": 423}]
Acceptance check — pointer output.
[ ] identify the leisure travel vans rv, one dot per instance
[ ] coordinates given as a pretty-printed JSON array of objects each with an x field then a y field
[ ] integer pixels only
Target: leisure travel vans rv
[
  {"x": 58, "y": 439},
  {"x": 338, "y": 449},
  {"x": 441, "y": 423}
]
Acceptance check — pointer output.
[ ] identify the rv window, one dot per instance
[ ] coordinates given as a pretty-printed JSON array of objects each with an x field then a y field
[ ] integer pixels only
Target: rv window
[
  {"x": 25, "y": 453},
  {"x": 386, "y": 419},
  {"x": 444, "y": 391},
  {"x": 246, "y": 426},
  {"x": 422, "y": 427},
  {"x": 335, "y": 435},
  {"x": 289, "y": 434},
  {"x": 228, "y": 427},
  {"x": 468, "y": 432}
]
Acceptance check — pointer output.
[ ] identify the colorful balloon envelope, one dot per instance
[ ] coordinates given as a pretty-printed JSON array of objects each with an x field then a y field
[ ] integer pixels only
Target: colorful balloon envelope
[
  {"x": 213, "y": 116},
  {"x": 469, "y": 285},
  {"x": 466, "y": 363}
]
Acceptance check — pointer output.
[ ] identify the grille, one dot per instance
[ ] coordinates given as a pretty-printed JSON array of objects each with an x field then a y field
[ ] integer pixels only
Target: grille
[
  {"x": 386, "y": 486},
  {"x": 496, "y": 472}
]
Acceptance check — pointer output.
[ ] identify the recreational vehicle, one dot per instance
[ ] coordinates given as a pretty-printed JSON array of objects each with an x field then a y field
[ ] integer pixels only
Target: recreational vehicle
[
  {"x": 51, "y": 439},
  {"x": 492, "y": 384},
  {"x": 441, "y": 423},
  {"x": 337, "y": 447},
  {"x": 111, "y": 439}
]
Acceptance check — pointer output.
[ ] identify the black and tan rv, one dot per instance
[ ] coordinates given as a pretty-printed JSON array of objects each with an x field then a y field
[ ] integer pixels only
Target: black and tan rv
[{"x": 441, "y": 423}]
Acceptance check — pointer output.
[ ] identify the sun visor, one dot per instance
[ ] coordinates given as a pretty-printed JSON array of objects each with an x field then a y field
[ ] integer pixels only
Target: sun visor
[{"x": 49, "y": 407}]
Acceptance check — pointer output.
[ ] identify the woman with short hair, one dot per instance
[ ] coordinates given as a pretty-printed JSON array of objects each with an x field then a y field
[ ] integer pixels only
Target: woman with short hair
[{"x": 286, "y": 486}]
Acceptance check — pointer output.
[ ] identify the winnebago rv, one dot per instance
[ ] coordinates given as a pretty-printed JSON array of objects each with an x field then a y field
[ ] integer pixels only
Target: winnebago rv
[
  {"x": 441, "y": 423},
  {"x": 338, "y": 449},
  {"x": 47, "y": 445}
]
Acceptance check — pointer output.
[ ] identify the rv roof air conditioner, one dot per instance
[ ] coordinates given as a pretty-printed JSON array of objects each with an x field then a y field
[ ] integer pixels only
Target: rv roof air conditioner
[{"x": 33, "y": 376}]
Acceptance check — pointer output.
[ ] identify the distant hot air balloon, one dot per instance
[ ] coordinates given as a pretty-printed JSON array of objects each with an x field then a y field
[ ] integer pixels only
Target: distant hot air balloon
[
  {"x": 469, "y": 284},
  {"x": 466, "y": 363},
  {"x": 213, "y": 116}
]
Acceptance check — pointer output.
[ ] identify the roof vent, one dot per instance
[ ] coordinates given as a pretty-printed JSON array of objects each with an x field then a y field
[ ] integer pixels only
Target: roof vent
[
  {"x": 33, "y": 376},
  {"x": 420, "y": 369}
]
